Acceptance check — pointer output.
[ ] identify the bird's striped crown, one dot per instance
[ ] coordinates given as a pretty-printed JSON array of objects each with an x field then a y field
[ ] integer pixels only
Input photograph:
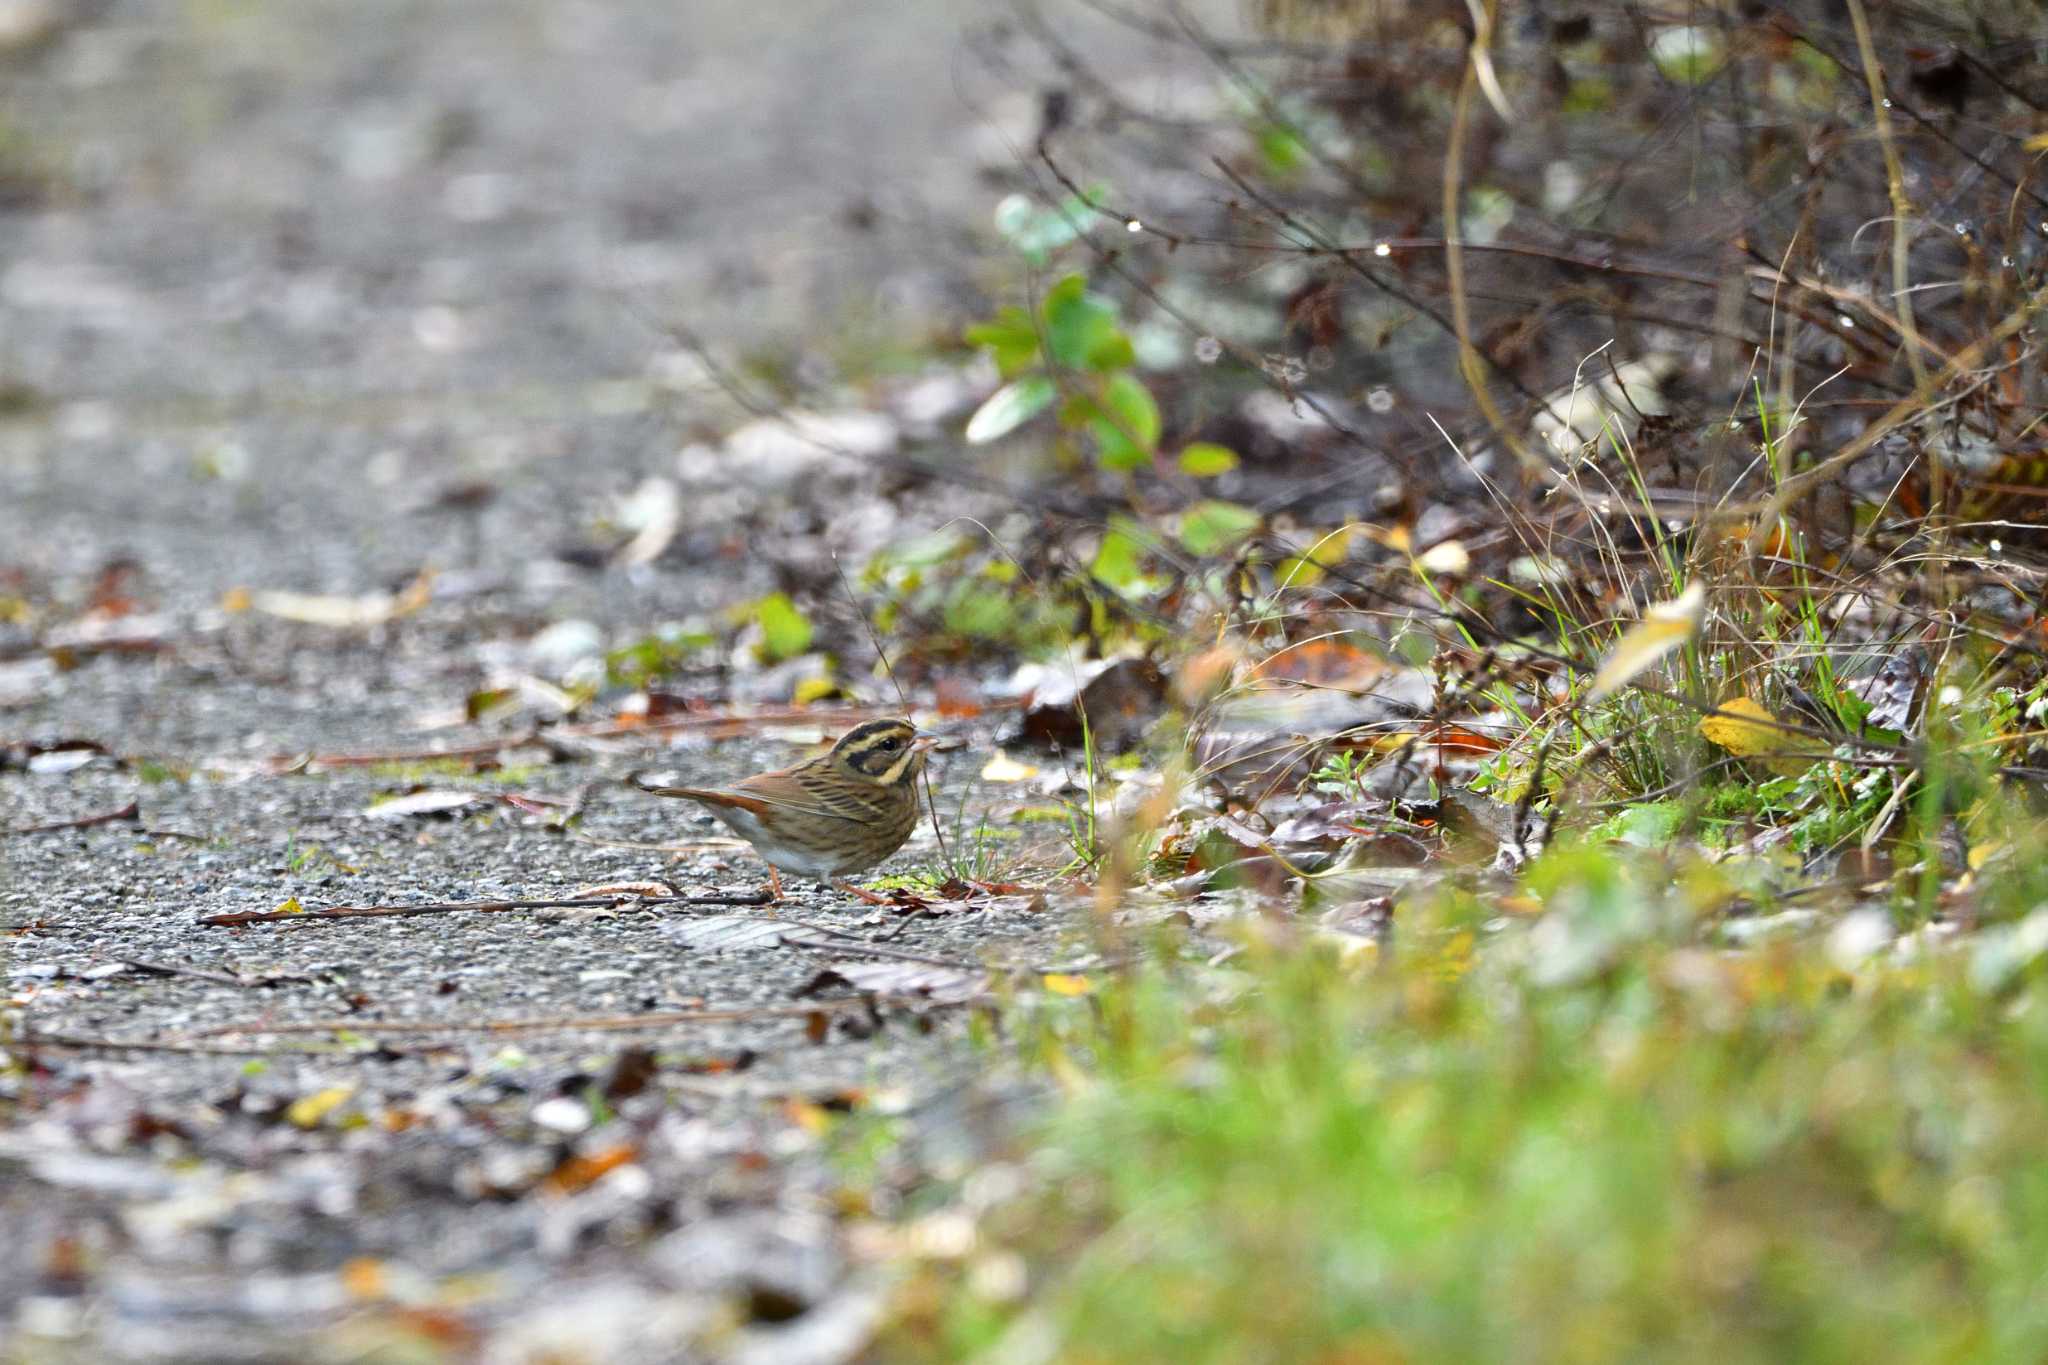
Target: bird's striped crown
[{"x": 884, "y": 752}]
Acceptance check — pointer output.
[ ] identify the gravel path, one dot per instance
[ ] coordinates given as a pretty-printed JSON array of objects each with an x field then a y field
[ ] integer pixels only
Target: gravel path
[{"x": 278, "y": 284}]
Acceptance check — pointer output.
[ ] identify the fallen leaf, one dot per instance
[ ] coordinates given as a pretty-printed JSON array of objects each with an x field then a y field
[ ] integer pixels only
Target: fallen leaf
[
  {"x": 1003, "y": 768},
  {"x": 631, "y": 1073},
  {"x": 363, "y": 1277},
  {"x": 1743, "y": 726},
  {"x": 1009, "y": 408},
  {"x": 653, "y": 512},
  {"x": 1119, "y": 699},
  {"x": 940, "y": 984},
  {"x": 1893, "y": 692},
  {"x": 813, "y": 1119},
  {"x": 1324, "y": 662},
  {"x": 1066, "y": 983},
  {"x": 343, "y": 613},
  {"x": 1444, "y": 557},
  {"x": 310, "y": 1111},
  {"x": 1204, "y": 459},
  {"x": 429, "y": 802},
  {"x": 725, "y": 933},
  {"x": 595, "y": 890},
  {"x": 1212, "y": 526},
  {"x": 1665, "y": 627},
  {"x": 582, "y": 1171}
]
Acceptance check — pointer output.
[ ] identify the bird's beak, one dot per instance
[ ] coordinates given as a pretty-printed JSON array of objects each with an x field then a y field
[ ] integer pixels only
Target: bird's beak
[{"x": 924, "y": 743}]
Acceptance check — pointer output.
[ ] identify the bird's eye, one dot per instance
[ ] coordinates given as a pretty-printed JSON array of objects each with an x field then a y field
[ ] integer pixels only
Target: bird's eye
[{"x": 892, "y": 743}]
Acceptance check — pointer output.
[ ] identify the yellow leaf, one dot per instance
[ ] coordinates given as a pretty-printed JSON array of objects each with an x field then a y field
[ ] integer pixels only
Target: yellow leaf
[
  {"x": 309, "y": 1111},
  {"x": 235, "y": 599},
  {"x": 1444, "y": 557},
  {"x": 1300, "y": 571},
  {"x": 1734, "y": 727},
  {"x": 1980, "y": 854},
  {"x": 1066, "y": 983},
  {"x": 363, "y": 1277},
  {"x": 1744, "y": 727},
  {"x": 1003, "y": 768},
  {"x": 812, "y": 1118},
  {"x": 814, "y": 688},
  {"x": 1395, "y": 538},
  {"x": 1664, "y": 628}
]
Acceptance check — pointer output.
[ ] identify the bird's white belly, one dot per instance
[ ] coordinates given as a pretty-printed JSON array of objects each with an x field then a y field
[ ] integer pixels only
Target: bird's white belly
[{"x": 818, "y": 864}]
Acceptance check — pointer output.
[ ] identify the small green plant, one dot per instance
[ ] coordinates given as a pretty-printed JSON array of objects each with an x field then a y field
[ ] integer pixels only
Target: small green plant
[
  {"x": 1084, "y": 823},
  {"x": 656, "y": 656},
  {"x": 980, "y": 853},
  {"x": 1342, "y": 773}
]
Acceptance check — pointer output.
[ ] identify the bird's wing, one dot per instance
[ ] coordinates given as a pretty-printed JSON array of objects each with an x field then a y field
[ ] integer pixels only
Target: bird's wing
[
  {"x": 789, "y": 791},
  {"x": 758, "y": 800}
]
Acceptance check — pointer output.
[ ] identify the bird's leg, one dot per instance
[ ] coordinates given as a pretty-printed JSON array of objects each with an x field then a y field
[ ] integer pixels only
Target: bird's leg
[{"x": 774, "y": 884}]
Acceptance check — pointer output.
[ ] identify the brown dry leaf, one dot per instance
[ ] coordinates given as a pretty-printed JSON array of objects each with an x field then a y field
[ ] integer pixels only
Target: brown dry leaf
[
  {"x": 1894, "y": 691},
  {"x": 631, "y": 1073},
  {"x": 583, "y": 1170},
  {"x": 660, "y": 890},
  {"x": 1326, "y": 662},
  {"x": 1205, "y": 675},
  {"x": 1119, "y": 697},
  {"x": 939, "y": 984}
]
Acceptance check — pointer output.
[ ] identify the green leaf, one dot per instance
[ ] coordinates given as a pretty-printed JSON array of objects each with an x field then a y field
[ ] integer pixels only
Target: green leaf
[
  {"x": 1281, "y": 148},
  {"x": 1080, "y": 328},
  {"x": 785, "y": 631},
  {"x": 1651, "y": 824},
  {"x": 1010, "y": 407},
  {"x": 980, "y": 613},
  {"x": 1037, "y": 230},
  {"x": 1118, "y": 560},
  {"x": 1686, "y": 53},
  {"x": 1128, "y": 427},
  {"x": 1204, "y": 460},
  {"x": 1010, "y": 339},
  {"x": 1210, "y": 526},
  {"x": 1113, "y": 352}
]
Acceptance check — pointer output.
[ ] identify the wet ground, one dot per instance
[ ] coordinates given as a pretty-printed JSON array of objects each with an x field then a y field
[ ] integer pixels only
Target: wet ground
[{"x": 309, "y": 299}]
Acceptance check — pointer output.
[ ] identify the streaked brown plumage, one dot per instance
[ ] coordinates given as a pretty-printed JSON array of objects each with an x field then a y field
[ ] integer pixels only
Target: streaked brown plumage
[{"x": 837, "y": 814}]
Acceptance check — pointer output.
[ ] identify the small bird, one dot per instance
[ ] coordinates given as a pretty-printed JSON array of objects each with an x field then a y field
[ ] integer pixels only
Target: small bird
[{"x": 840, "y": 813}]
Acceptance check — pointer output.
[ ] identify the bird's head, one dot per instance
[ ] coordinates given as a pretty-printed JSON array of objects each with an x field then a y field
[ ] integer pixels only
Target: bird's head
[{"x": 884, "y": 752}]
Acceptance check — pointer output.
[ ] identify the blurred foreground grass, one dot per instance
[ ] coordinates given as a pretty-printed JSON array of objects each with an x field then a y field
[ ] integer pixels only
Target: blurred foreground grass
[{"x": 1644, "y": 1150}]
